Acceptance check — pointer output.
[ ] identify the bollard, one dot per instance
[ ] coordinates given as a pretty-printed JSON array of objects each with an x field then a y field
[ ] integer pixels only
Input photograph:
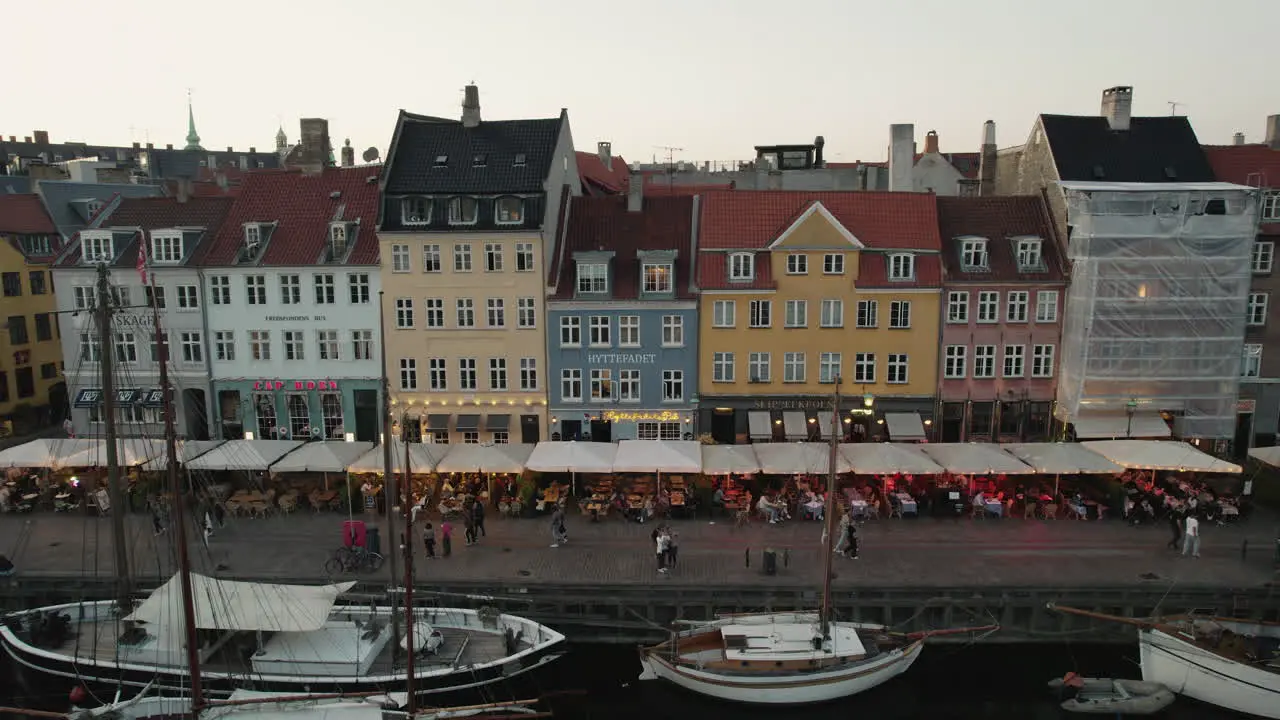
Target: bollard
[
  {"x": 748, "y": 557},
  {"x": 786, "y": 557}
]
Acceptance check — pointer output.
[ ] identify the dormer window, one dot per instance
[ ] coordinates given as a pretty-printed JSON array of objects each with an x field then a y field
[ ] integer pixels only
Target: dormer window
[
  {"x": 508, "y": 211},
  {"x": 415, "y": 211},
  {"x": 252, "y": 235},
  {"x": 742, "y": 266},
  {"x": 338, "y": 239},
  {"x": 519, "y": 160},
  {"x": 902, "y": 266},
  {"x": 479, "y": 160},
  {"x": 97, "y": 247},
  {"x": 593, "y": 278},
  {"x": 1029, "y": 254},
  {"x": 973, "y": 254},
  {"x": 462, "y": 210},
  {"x": 657, "y": 277},
  {"x": 166, "y": 246},
  {"x": 93, "y": 207},
  {"x": 441, "y": 161}
]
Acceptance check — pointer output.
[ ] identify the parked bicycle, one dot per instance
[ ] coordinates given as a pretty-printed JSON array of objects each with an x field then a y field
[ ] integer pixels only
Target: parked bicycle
[{"x": 352, "y": 559}]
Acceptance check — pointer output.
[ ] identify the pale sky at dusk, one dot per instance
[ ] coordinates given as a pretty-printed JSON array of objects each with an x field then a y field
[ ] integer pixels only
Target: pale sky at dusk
[{"x": 714, "y": 77}]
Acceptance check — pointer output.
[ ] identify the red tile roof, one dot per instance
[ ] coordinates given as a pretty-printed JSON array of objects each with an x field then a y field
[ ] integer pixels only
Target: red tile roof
[
  {"x": 156, "y": 213},
  {"x": 603, "y": 223},
  {"x": 873, "y": 272},
  {"x": 302, "y": 206},
  {"x": 713, "y": 273},
  {"x": 881, "y": 220},
  {"x": 657, "y": 185},
  {"x": 25, "y": 215},
  {"x": 1257, "y": 165},
  {"x": 606, "y": 180},
  {"x": 998, "y": 219}
]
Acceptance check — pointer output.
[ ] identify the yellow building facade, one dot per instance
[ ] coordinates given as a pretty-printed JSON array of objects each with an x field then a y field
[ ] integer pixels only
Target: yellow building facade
[
  {"x": 780, "y": 323},
  {"x": 32, "y": 390}
]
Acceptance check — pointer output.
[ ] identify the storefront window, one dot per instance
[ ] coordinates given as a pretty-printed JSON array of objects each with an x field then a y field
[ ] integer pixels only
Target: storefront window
[
  {"x": 980, "y": 421},
  {"x": 440, "y": 437},
  {"x": 299, "y": 416},
  {"x": 471, "y": 437},
  {"x": 501, "y": 437},
  {"x": 1010, "y": 418},
  {"x": 651, "y": 430},
  {"x": 331, "y": 411},
  {"x": 265, "y": 406}
]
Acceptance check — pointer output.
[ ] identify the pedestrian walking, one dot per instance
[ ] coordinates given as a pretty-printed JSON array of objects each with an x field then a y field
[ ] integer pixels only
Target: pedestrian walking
[
  {"x": 842, "y": 534},
  {"x": 477, "y": 519},
  {"x": 851, "y": 541},
  {"x": 559, "y": 533},
  {"x": 156, "y": 523},
  {"x": 1175, "y": 528},
  {"x": 446, "y": 539},
  {"x": 429, "y": 540},
  {"x": 1191, "y": 536},
  {"x": 662, "y": 545},
  {"x": 673, "y": 547},
  {"x": 219, "y": 514},
  {"x": 469, "y": 525},
  {"x": 207, "y": 530}
]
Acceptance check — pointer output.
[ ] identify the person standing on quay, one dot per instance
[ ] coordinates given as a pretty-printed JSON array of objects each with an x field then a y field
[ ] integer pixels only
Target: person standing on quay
[
  {"x": 477, "y": 519},
  {"x": 662, "y": 546},
  {"x": 446, "y": 539},
  {"x": 673, "y": 547},
  {"x": 469, "y": 524},
  {"x": 429, "y": 540},
  {"x": 1175, "y": 528},
  {"x": 1191, "y": 537},
  {"x": 559, "y": 533}
]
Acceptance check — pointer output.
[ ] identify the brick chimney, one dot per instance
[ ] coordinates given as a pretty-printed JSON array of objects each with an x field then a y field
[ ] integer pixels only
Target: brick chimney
[
  {"x": 1117, "y": 106},
  {"x": 41, "y": 136},
  {"x": 635, "y": 194},
  {"x": 987, "y": 160},
  {"x": 348, "y": 154},
  {"x": 931, "y": 142},
  {"x": 605, "y": 151},
  {"x": 313, "y": 155},
  {"x": 1273, "y": 132},
  {"x": 902, "y": 156},
  {"x": 818, "y": 144},
  {"x": 471, "y": 106}
]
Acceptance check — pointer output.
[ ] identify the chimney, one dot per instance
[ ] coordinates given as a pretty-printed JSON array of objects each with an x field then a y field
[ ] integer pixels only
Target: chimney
[
  {"x": 635, "y": 194},
  {"x": 931, "y": 142},
  {"x": 222, "y": 181},
  {"x": 252, "y": 150},
  {"x": 26, "y": 139},
  {"x": 605, "y": 151},
  {"x": 1237, "y": 139},
  {"x": 348, "y": 154},
  {"x": 1273, "y": 132},
  {"x": 1117, "y": 106},
  {"x": 902, "y": 156},
  {"x": 314, "y": 141},
  {"x": 818, "y": 143},
  {"x": 471, "y": 106},
  {"x": 168, "y": 146},
  {"x": 137, "y": 146},
  {"x": 183, "y": 189},
  {"x": 41, "y": 136},
  {"x": 151, "y": 146},
  {"x": 987, "y": 160},
  {"x": 13, "y": 138}
]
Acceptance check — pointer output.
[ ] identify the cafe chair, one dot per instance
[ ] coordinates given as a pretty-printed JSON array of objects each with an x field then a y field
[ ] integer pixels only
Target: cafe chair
[{"x": 1051, "y": 511}]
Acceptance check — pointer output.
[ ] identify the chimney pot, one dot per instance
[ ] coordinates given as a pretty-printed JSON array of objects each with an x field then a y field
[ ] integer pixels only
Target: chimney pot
[
  {"x": 471, "y": 106},
  {"x": 230, "y": 149},
  {"x": 168, "y": 146},
  {"x": 635, "y": 194},
  {"x": 1273, "y": 132},
  {"x": 151, "y": 146},
  {"x": 1117, "y": 106},
  {"x": 137, "y": 146},
  {"x": 605, "y": 151},
  {"x": 902, "y": 149},
  {"x": 13, "y": 138},
  {"x": 931, "y": 142},
  {"x": 26, "y": 138},
  {"x": 348, "y": 154},
  {"x": 314, "y": 141},
  {"x": 1237, "y": 139},
  {"x": 252, "y": 149},
  {"x": 818, "y": 144},
  {"x": 41, "y": 136}
]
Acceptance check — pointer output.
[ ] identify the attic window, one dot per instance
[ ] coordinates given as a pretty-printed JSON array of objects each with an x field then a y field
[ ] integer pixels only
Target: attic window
[
  {"x": 166, "y": 247},
  {"x": 508, "y": 211},
  {"x": 902, "y": 266},
  {"x": 338, "y": 238},
  {"x": 1030, "y": 256},
  {"x": 415, "y": 211},
  {"x": 252, "y": 235},
  {"x": 441, "y": 161},
  {"x": 480, "y": 160},
  {"x": 463, "y": 210},
  {"x": 97, "y": 247},
  {"x": 93, "y": 207},
  {"x": 973, "y": 254},
  {"x": 519, "y": 161},
  {"x": 742, "y": 266}
]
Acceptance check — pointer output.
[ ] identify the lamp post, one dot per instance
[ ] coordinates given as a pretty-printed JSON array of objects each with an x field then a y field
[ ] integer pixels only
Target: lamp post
[
  {"x": 868, "y": 401},
  {"x": 1129, "y": 409}
]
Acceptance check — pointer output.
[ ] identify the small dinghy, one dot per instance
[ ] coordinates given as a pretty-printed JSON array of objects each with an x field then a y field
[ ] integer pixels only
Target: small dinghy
[{"x": 1111, "y": 697}]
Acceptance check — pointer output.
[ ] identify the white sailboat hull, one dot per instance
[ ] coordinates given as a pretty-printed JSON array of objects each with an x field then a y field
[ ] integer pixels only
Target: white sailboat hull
[{"x": 1197, "y": 673}]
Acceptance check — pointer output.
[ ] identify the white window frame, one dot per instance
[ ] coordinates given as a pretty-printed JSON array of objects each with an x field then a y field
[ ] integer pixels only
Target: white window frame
[
  {"x": 955, "y": 362},
  {"x": 188, "y": 298},
  {"x": 361, "y": 344},
  {"x": 328, "y": 345},
  {"x": 831, "y": 313},
  {"x": 1259, "y": 303},
  {"x": 760, "y": 367},
  {"x": 220, "y": 289},
  {"x": 290, "y": 289},
  {"x": 570, "y": 331},
  {"x": 672, "y": 386},
  {"x": 462, "y": 257},
  {"x": 629, "y": 385},
  {"x": 437, "y": 374},
  {"x": 325, "y": 288},
  {"x": 897, "y": 369},
  {"x": 628, "y": 331},
  {"x": 260, "y": 345},
  {"x": 958, "y": 307},
  {"x": 833, "y": 264},
  {"x": 404, "y": 313},
  {"x": 1042, "y": 359},
  {"x": 662, "y": 277},
  {"x": 1046, "y": 306},
  {"x": 672, "y": 331},
  {"x": 742, "y": 266},
  {"x": 796, "y": 314},
  {"x": 902, "y": 267},
  {"x": 495, "y": 312},
  {"x": 493, "y": 257},
  {"x": 761, "y": 314},
  {"x": 166, "y": 248},
  {"x": 868, "y": 315},
  {"x": 984, "y": 361},
  {"x": 829, "y": 366},
  {"x": 1251, "y": 360},
  {"x": 421, "y": 215},
  {"x": 723, "y": 366},
  {"x": 457, "y": 207},
  {"x": 400, "y": 258},
  {"x": 1263, "y": 257},
  {"x": 432, "y": 258},
  {"x": 528, "y": 374},
  {"x": 864, "y": 368},
  {"x": 797, "y": 264},
  {"x": 295, "y": 345},
  {"x": 467, "y": 374},
  {"x": 724, "y": 313},
  {"x": 497, "y": 374},
  {"x": 900, "y": 315},
  {"x": 358, "y": 288},
  {"x": 408, "y": 374},
  {"x": 599, "y": 331},
  {"x": 502, "y": 210},
  {"x": 592, "y": 279},
  {"x": 192, "y": 345},
  {"x": 988, "y": 307},
  {"x": 794, "y": 367},
  {"x": 97, "y": 247},
  {"x": 571, "y": 385},
  {"x": 1016, "y": 303},
  {"x": 601, "y": 385},
  {"x": 1013, "y": 361},
  {"x": 1269, "y": 207},
  {"x": 1029, "y": 254},
  {"x": 224, "y": 346},
  {"x": 465, "y": 312},
  {"x": 526, "y": 313},
  {"x": 973, "y": 254},
  {"x": 525, "y": 261}
]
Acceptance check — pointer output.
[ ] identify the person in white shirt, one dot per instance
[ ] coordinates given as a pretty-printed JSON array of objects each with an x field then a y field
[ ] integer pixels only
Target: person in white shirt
[{"x": 1191, "y": 536}]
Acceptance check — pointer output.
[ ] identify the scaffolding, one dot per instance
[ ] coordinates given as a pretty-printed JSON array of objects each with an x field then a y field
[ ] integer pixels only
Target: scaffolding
[{"x": 1156, "y": 313}]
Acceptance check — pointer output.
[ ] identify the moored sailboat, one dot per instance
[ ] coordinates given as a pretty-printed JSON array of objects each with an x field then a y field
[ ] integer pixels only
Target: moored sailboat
[
  {"x": 788, "y": 658},
  {"x": 1234, "y": 664}
]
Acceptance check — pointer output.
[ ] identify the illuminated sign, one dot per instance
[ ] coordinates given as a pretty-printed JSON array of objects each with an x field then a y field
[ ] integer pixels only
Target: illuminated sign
[
  {"x": 622, "y": 358},
  {"x": 660, "y": 416},
  {"x": 797, "y": 404},
  {"x": 295, "y": 384},
  {"x": 295, "y": 318}
]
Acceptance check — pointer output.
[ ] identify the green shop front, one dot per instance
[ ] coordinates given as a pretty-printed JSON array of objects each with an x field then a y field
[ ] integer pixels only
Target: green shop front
[{"x": 299, "y": 408}]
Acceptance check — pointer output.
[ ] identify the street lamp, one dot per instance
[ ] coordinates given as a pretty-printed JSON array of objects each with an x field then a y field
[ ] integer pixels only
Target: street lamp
[
  {"x": 868, "y": 400},
  {"x": 1129, "y": 409}
]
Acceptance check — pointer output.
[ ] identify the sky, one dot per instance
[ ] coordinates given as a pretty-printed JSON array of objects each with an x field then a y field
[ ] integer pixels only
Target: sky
[{"x": 713, "y": 78}]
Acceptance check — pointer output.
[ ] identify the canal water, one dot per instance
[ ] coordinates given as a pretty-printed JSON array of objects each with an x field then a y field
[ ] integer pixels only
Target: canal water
[{"x": 999, "y": 682}]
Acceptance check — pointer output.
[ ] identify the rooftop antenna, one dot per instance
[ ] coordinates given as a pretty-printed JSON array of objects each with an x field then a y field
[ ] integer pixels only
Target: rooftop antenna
[
  {"x": 671, "y": 166},
  {"x": 1173, "y": 107}
]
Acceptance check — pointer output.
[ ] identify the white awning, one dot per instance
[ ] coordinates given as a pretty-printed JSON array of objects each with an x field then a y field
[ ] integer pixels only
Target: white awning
[
  {"x": 490, "y": 458},
  {"x": 1110, "y": 426},
  {"x": 52, "y": 453},
  {"x": 1268, "y": 455},
  {"x": 242, "y": 606},
  {"x": 1160, "y": 455},
  {"x": 825, "y": 422},
  {"x": 326, "y": 456},
  {"x": 243, "y": 455},
  {"x": 904, "y": 427},
  {"x": 975, "y": 459},
  {"x": 423, "y": 458},
  {"x": 729, "y": 460},
  {"x": 664, "y": 456},
  {"x": 130, "y": 452},
  {"x": 573, "y": 456},
  {"x": 795, "y": 425},
  {"x": 798, "y": 458},
  {"x": 188, "y": 450},
  {"x": 1062, "y": 458},
  {"x": 871, "y": 458},
  {"x": 759, "y": 424}
]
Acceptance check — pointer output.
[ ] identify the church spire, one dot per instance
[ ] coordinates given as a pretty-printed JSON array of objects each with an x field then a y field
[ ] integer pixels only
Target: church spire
[{"x": 193, "y": 137}]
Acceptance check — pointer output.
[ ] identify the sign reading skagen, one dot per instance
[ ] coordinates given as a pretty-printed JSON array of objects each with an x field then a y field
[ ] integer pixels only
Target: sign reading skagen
[
  {"x": 295, "y": 318},
  {"x": 622, "y": 358},
  {"x": 133, "y": 320}
]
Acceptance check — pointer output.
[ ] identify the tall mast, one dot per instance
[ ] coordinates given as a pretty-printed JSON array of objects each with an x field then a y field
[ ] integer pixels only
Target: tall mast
[
  {"x": 106, "y": 359},
  {"x": 830, "y": 515},
  {"x": 180, "y": 517},
  {"x": 412, "y": 705},
  {"x": 389, "y": 492}
]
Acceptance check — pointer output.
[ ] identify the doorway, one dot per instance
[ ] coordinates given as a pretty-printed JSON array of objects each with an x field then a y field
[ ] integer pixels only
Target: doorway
[
  {"x": 571, "y": 430},
  {"x": 366, "y": 411},
  {"x": 724, "y": 428},
  {"x": 1244, "y": 433},
  {"x": 601, "y": 431},
  {"x": 196, "y": 414},
  {"x": 530, "y": 433}
]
